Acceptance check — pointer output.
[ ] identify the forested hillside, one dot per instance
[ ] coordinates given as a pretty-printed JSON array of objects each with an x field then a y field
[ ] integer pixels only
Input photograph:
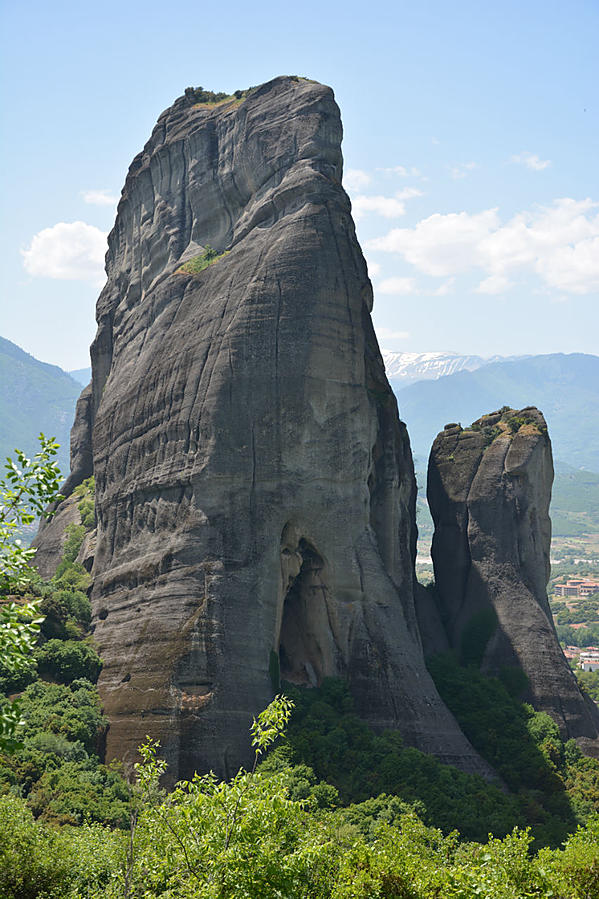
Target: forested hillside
[{"x": 34, "y": 397}]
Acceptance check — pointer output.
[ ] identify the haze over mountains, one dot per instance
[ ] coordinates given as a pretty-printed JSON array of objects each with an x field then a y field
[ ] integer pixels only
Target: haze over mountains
[
  {"x": 34, "y": 397},
  {"x": 565, "y": 387},
  {"x": 431, "y": 388},
  {"x": 82, "y": 375}
]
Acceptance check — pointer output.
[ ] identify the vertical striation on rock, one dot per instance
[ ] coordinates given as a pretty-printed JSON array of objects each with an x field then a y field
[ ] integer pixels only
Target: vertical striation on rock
[
  {"x": 254, "y": 485},
  {"x": 489, "y": 489}
]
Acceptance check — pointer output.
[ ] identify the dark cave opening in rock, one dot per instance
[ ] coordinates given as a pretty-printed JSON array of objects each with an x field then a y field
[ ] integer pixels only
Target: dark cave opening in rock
[{"x": 305, "y": 626}]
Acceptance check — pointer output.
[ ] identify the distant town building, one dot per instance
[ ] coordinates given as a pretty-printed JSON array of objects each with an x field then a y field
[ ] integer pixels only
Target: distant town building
[
  {"x": 576, "y": 586},
  {"x": 589, "y": 660}
]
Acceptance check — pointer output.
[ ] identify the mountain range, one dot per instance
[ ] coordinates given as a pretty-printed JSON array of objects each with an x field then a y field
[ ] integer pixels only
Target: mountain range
[
  {"x": 565, "y": 387},
  {"x": 431, "y": 388},
  {"x": 34, "y": 397},
  {"x": 404, "y": 369}
]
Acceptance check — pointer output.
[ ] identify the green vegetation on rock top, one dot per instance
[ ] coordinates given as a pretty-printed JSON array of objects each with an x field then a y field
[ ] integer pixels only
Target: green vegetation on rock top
[{"x": 197, "y": 96}]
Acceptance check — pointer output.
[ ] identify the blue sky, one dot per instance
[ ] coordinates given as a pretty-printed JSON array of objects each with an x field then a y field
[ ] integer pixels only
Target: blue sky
[{"x": 471, "y": 146}]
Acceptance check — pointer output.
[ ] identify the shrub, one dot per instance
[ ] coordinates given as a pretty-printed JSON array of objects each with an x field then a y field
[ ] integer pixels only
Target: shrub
[
  {"x": 67, "y": 660},
  {"x": 86, "y": 492},
  {"x": 75, "y": 534},
  {"x": 197, "y": 95},
  {"x": 71, "y": 576},
  {"x": 199, "y": 263},
  {"x": 34, "y": 860},
  {"x": 327, "y": 735},
  {"x": 67, "y": 613},
  {"x": 73, "y": 711},
  {"x": 79, "y": 790}
]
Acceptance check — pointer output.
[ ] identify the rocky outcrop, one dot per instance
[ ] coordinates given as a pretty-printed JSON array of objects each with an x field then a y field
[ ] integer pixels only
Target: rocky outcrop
[
  {"x": 489, "y": 488},
  {"x": 52, "y": 534},
  {"x": 254, "y": 485}
]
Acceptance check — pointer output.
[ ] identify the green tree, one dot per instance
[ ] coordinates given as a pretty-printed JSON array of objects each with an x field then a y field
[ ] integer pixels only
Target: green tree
[
  {"x": 213, "y": 839},
  {"x": 30, "y": 485}
]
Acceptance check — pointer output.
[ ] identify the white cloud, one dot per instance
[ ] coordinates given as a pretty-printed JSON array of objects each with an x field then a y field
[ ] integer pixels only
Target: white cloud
[
  {"x": 388, "y": 207},
  {"x": 99, "y": 197},
  {"x": 494, "y": 284},
  {"x": 374, "y": 269},
  {"x": 461, "y": 170},
  {"x": 73, "y": 251},
  {"x": 531, "y": 161},
  {"x": 356, "y": 179},
  {"x": 440, "y": 245},
  {"x": 408, "y": 193},
  {"x": 558, "y": 243},
  {"x": 388, "y": 334},
  {"x": 397, "y": 286},
  {"x": 573, "y": 268},
  {"x": 402, "y": 171},
  {"x": 444, "y": 289}
]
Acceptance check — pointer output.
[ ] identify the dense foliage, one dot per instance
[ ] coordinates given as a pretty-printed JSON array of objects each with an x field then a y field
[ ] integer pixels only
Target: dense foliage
[
  {"x": 588, "y": 682},
  {"x": 554, "y": 784},
  {"x": 54, "y": 766},
  {"x": 250, "y": 839},
  {"x": 334, "y": 812},
  {"x": 25, "y": 491},
  {"x": 326, "y": 734}
]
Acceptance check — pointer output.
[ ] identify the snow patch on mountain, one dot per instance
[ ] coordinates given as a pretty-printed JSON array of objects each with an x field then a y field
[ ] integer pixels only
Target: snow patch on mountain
[{"x": 407, "y": 368}]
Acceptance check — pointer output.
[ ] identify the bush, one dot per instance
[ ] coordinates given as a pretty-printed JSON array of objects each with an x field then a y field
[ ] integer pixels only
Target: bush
[
  {"x": 74, "y": 538},
  {"x": 80, "y": 791},
  {"x": 86, "y": 492},
  {"x": 198, "y": 263},
  {"x": 197, "y": 95},
  {"x": 73, "y": 711},
  {"x": 556, "y": 786},
  {"x": 67, "y": 660},
  {"x": 34, "y": 860},
  {"x": 575, "y": 871},
  {"x": 71, "y": 576},
  {"x": 327, "y": 735}
]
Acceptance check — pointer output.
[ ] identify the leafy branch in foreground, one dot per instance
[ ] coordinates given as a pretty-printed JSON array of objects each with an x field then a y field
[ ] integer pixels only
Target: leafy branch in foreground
[
  {"x": 213, "y": 827},
  {"x": 25, "y": 492}
]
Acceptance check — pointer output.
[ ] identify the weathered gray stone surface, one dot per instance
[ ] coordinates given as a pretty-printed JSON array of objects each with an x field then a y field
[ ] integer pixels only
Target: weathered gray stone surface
[
  {"x": 254, "y": 485},
  {"x": 489, "y": 489},
  {"x": 51, "y": 536}
]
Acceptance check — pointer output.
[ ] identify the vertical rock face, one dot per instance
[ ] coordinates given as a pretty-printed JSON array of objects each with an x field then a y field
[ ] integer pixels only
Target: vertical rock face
[
  {"x": 254, "y": 485},
  {"x": 489, "y": 488}
]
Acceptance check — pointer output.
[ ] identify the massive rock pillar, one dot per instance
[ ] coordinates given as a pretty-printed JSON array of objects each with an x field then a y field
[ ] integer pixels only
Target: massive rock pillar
[
  {"x": 489, "y": 488},
  {"x": 254, "y": 485}
]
